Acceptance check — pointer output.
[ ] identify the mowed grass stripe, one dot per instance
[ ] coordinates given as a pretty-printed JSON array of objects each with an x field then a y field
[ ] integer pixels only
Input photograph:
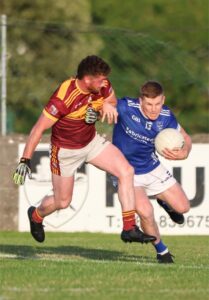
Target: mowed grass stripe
[
  {"x": 99, "y": 266},
  {"x": 76, "y": 258}
]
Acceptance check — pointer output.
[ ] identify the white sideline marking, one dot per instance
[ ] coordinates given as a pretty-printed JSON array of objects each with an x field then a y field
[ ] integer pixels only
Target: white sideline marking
[
  {"x": 98, "y": 261},
  {"x": 175, "y": 265},
  {"x": 8, "y": 255},
  {"x": 46, "y": 290},
  {"x": 91, "y": 289}
]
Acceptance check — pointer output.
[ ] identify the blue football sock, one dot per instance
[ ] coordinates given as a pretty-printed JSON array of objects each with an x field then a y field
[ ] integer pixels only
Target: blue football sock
[{"x": 161, "y": 248}]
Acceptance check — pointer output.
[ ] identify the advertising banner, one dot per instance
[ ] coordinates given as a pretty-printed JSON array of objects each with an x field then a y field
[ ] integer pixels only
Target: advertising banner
[{"x": 95, "y": 206}]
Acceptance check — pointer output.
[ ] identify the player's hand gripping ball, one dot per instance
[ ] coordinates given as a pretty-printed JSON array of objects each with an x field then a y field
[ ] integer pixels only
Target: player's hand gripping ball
[{"x": 169, "y": 138}]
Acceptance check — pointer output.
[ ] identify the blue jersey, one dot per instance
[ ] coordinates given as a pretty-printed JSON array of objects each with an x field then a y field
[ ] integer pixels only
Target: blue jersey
[{"x": 134, "y": 133}]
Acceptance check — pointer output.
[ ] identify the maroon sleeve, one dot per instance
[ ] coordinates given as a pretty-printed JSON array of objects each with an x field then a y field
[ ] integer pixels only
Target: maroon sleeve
[
  {"x": 107, "y": 89},
  {"x": 55, "y": 107}
]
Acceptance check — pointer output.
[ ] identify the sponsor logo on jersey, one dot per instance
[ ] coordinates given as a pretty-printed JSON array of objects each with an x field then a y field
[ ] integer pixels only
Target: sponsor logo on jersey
[
  {"x": 53, "y": 110},
  {"x": 131, "y": 103},
  {"x": 168, "y": 176},
  {"x": 165, "y": 112},
  {"x": 79, "y": 104},
  {"x": 139, "y": 137},
  {"x": 135, "y": 118}
]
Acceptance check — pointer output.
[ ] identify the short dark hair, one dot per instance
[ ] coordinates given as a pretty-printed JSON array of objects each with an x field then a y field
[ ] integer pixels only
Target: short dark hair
[
  {"x": 92, "y": 65},
  {"x": 151, "y": 89}
]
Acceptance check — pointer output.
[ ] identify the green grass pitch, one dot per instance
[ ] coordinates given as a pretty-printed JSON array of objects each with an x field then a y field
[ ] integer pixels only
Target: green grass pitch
[{"x": 91, "y": 266}]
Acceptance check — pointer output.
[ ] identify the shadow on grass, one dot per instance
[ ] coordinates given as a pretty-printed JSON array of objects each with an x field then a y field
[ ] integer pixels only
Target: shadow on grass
[{"x": 68, "y": 252}]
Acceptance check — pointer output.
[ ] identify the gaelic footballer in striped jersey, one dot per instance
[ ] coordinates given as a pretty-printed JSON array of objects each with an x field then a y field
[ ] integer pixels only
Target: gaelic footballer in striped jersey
[{"x": 71, "y": 114}]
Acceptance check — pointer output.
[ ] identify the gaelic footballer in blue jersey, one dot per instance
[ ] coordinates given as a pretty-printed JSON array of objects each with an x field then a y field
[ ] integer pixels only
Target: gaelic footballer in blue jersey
[{"x": 139, "y": 121}]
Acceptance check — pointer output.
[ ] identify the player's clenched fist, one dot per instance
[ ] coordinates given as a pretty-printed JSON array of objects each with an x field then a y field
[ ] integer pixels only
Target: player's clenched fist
[{"x": 22, "y": 170}]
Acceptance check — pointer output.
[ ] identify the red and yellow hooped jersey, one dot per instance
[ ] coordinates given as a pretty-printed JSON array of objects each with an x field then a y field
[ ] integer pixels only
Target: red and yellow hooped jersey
[{"x": 67, "y": 107}]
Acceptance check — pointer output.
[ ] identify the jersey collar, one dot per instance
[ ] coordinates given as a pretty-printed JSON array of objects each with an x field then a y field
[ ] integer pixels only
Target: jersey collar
[{"x": 80, "y": 90}]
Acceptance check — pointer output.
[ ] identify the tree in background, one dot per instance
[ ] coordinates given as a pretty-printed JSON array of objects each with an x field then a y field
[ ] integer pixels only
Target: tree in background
[
  {"x": 162, "y": 40},
  {"x": 44, "y": 48},
  {"x": 141, "y": 39}
]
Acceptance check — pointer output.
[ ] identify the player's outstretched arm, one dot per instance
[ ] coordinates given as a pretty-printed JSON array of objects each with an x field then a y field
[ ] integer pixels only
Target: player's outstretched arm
[{"x": 23, "y": 169}]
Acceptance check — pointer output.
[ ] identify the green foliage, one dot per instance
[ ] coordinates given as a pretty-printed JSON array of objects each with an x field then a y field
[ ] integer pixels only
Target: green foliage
[
  {"x": 96, "y": 266},
  {"x": 161, "y": 40},
  {"x": 184, "y": 22},
  {"x": 147, "y": 39},
  {"x": 44, "y": 48}
]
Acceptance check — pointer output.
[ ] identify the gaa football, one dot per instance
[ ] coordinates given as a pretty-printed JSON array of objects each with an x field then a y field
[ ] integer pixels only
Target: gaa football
[{"x": 168, "y": 138}]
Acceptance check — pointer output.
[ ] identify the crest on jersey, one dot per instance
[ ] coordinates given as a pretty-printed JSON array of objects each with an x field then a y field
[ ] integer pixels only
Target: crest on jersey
[{"x": 159, "y": 125}]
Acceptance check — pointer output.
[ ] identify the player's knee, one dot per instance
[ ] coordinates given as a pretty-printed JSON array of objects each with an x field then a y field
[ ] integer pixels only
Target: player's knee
[
  {"x": 146, "y": 214},
  {"x": 187, "y": 207},
  {"x": 126, "y": 172},
  {"x": 184, "y": 207},
  {"x": 63, "y": 203}
]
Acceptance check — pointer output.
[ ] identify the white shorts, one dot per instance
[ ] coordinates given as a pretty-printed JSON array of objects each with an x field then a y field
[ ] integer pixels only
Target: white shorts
[
  {"x": 65, "y": 162},
  {"x": 156, "y": 181}
]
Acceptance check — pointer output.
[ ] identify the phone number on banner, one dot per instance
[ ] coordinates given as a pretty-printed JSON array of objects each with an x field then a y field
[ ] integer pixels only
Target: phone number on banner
[{"x": 190, "y": 221}]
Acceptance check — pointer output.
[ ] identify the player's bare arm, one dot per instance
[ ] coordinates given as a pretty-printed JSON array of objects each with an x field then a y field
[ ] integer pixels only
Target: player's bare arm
[
  {"x": 24, "y": 169},
  {"x": 179, "y": 154},
  {"x": 109, "y": 110},
  {"x": 41, "y": 125}
]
